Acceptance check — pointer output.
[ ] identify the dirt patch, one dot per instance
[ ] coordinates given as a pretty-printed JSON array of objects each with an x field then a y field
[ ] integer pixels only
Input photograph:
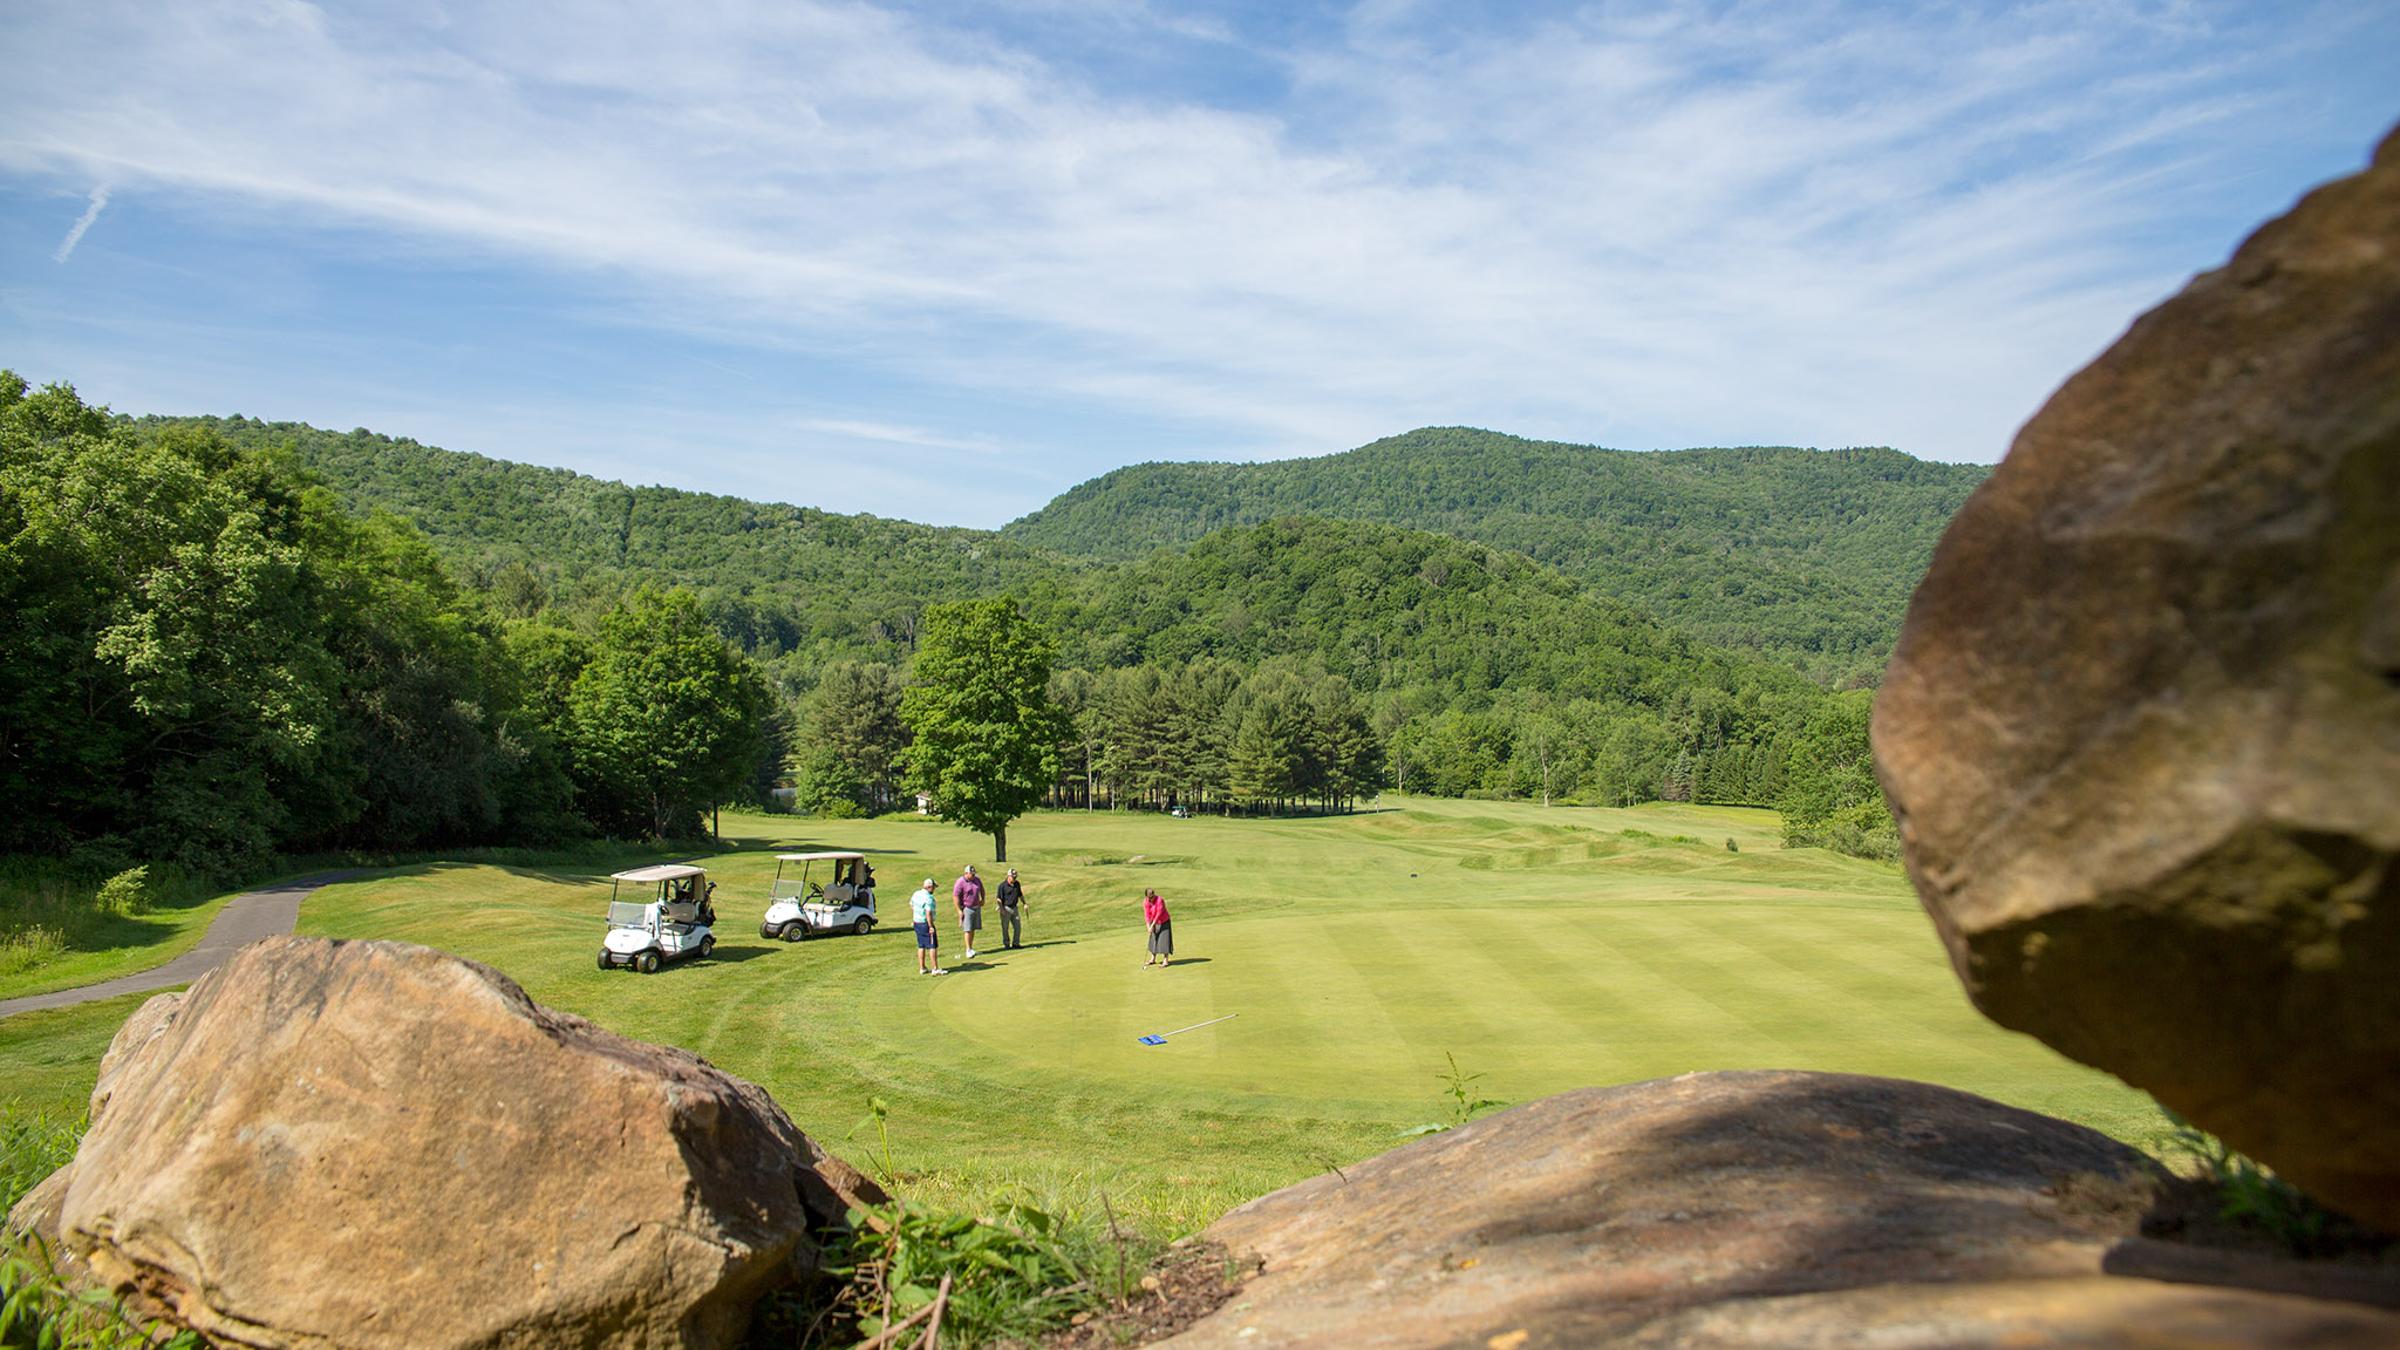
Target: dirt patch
[{"x": 1185, "y": 1285}]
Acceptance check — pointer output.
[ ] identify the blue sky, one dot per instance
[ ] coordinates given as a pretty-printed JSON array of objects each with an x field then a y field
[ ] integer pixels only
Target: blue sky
[{"x": 943, "y": 261}]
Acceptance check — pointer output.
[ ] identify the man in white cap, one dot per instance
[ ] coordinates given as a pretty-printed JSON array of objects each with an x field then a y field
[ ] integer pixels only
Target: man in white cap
[{"x": 921, "y": 916}]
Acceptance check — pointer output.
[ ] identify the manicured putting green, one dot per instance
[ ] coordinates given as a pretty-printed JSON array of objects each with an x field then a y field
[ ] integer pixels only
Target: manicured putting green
[{"x": 1352, "y": 1012}]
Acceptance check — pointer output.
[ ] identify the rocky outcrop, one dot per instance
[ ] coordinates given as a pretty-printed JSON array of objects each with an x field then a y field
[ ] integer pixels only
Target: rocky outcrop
[
  {"x": 376, "y": 1144},
  {"x": 1766, "y": 1209},
  {"x": 2142, "y": 728}
]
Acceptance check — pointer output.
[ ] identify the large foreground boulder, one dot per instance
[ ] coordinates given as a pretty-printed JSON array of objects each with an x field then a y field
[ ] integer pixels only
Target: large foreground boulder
[
  {"x": 376, "y": 1144},
  {"x": 1765, "y": 1209},
  {"x": 2142, "y": 728}
]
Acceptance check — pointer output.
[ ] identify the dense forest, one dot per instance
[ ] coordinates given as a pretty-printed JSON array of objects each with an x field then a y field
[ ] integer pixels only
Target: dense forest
[
  {"x": 782, "y": 581},
  {"x": 1291, "y": 663},
  {"x": 1807, "y": 555},
  {"x": 206, "y": 660}
]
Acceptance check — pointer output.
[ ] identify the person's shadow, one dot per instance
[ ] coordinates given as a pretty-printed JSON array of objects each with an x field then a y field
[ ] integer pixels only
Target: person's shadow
[{"x": 1187, "y": 961}]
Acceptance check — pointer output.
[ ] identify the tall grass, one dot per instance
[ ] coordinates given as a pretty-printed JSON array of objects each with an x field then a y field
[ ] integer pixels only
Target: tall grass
[{"x": 83, "y": 902}]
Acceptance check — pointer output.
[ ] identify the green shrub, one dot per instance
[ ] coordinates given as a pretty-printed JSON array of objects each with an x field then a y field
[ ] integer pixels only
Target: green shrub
[
  {"x": 2252, "y": 1197},
  {"x": 1006, "y": 1277},
  {"x": 128, "y": 892}
]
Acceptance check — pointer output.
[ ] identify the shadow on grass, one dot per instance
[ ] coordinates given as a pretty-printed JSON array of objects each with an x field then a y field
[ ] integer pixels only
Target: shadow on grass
[{"x": 1188, "y": 961}]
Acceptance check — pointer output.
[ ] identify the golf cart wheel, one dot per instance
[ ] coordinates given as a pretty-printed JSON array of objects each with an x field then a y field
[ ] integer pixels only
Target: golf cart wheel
[
  {"x": 864, "y": 926},
  {"x": 794, "y": 931},
  {"x": 707, "y": 944},
  {"x": 647, "y": 963},
  {"x": 605, "y": 963},
  {"x": 768, "y": 930}
]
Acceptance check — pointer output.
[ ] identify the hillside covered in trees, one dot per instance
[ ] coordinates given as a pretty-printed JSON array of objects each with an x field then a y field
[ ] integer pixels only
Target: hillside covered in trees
[
  {"x": 1243, "y": 665},
  {"x": 1807, "y": 555},
  {"x": 776, "y": 579},
  {"x": 206, "y": 660}
]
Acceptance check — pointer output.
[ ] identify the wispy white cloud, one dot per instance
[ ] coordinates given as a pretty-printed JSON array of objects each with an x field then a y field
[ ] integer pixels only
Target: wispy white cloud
[
  {"x": 75, "y": 232},
  {"x": 1645, "y": 224},
  {"x": 889, "y": 434}
]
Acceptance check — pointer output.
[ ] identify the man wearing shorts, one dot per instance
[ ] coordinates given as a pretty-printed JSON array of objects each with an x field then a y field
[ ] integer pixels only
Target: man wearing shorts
[
  {"x": 968, "y": 892},
  {"x": 929, "y": 939}
]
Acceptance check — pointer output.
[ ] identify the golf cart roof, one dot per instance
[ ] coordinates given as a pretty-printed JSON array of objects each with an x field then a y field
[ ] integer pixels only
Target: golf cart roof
[
  {"x": 661, "y": 872},
  {"x": 815, "y": 857}
]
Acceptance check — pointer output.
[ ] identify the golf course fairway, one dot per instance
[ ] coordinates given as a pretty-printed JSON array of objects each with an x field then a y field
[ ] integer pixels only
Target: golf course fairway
[{"x": 1540, "y": 949}]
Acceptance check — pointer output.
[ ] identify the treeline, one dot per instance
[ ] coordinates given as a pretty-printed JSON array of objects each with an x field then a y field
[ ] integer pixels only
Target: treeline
[
  {"x": 1202, "y": 735},
  {"x": 204, "y": 659},
  {"x": 1577, "y": 751}
]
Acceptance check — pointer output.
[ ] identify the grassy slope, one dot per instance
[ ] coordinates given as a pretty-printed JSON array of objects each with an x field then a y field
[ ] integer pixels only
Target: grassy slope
[
  {"x": 108, "y": 945},
  {"x": 1546, "y": 949},
  {"x": 49, "y": 1059}
]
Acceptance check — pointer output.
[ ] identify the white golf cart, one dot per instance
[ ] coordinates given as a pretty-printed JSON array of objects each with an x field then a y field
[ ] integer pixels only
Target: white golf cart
[
  {"x": 820, "y": 893},
  {"x": 658, "y": 914}
]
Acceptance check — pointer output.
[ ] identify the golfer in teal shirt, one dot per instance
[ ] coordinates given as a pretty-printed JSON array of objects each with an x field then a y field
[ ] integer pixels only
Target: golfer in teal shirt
[{"x": 929, "y": 941}]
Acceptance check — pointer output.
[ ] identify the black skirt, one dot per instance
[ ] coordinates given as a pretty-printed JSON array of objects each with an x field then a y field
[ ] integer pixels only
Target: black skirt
[{"x": 1162, "y": 939}]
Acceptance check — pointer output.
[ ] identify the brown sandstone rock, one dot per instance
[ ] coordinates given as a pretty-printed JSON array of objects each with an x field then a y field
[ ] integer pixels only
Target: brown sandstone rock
[
  {"x": 155, "y": 1015},
  {"x": 376, "y": 1144},
  {"x": 1740, "y": 1209},
  {"x": 2142, "y": 728}
]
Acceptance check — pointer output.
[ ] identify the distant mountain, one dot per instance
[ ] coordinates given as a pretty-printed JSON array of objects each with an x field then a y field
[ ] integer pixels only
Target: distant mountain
[
  {"x": 777, "y": 579},
  {"x": 1809, "y": 555},
  {"x": 1390, "y": 607}
]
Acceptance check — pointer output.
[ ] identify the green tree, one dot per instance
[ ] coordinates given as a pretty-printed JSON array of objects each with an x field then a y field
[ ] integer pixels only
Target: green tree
[
  {"x": 1830, "y": 797},
  {"x": 986, "y": 737},
  {"x": 851, "y": 737},
  {"x": 666, "y": 720},
  {"x": 824, "y": 784}
]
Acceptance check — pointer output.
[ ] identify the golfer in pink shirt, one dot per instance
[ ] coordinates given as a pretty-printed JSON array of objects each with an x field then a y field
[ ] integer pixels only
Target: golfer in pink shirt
[
  {"x": 1162, "y": 930},
  {"x": 968, "y": 892}
]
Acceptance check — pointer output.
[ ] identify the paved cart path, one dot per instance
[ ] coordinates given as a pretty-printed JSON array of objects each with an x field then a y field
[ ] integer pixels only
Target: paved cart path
[{"x": 245, "y": 919}]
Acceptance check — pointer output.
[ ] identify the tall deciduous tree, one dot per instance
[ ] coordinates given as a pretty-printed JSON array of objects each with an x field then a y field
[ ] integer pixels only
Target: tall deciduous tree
[
  {"x": 986, "y": 736},
  {"x": 667, "y": 719},
  {"x": 1830, "y": 796}
]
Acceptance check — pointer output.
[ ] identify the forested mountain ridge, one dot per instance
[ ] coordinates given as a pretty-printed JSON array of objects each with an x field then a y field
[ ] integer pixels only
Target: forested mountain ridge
[
  {"x": 1483, "y": 670},
  {"x": 1810, "y": 555},
  {"x": 1386, "y": 606},
  {"x": 774, "y": 578}
]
